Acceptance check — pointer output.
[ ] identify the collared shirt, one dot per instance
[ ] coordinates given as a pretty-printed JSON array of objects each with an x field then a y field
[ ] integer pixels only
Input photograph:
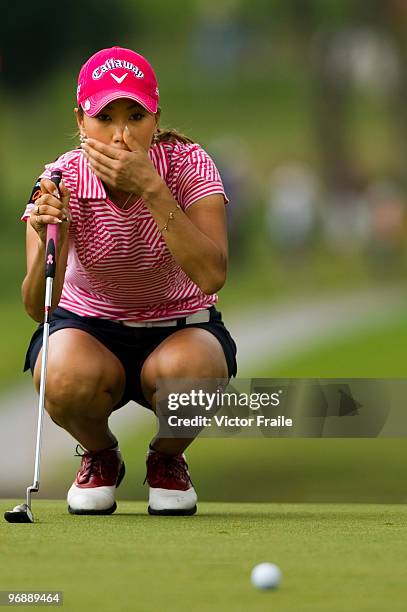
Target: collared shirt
[{"x": 119, "y": 266}]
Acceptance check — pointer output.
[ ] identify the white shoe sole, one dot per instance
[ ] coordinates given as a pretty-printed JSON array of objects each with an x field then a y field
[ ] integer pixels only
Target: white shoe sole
[
  {"x": 96, "y": 500},
  {"x": 99, "y": 500},
  {"x": 172, "y": 502}
]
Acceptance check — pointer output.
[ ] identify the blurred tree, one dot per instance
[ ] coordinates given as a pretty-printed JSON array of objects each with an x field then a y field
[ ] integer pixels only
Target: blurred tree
[
  {"x": 329, "y": 36},
  {"x": 320, "y": 27},
  {"x": 35, "y": 37},
  {"x": 395, "y": 18}
]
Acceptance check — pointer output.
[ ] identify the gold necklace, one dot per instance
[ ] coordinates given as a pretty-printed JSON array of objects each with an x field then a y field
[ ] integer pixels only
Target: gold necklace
[{"x": 125, "y": 204}]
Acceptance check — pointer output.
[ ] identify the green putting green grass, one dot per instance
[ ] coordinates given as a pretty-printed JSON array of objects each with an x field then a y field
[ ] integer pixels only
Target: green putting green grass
[{"x": 334, "y": 557}]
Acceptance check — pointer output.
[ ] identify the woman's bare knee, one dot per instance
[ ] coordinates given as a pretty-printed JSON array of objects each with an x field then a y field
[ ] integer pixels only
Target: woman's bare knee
[
  {"x": 186, "y": 354},
  {"x": 83, "y": 377},
  {"x": 73, "y": 391}
]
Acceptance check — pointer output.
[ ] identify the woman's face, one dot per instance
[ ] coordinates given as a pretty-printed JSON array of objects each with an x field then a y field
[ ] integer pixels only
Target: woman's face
[{"x": 108, "y": 126}]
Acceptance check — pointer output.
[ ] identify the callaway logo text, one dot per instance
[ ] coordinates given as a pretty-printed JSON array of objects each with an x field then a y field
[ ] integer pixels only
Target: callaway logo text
[{"x": 112, "y": 64}]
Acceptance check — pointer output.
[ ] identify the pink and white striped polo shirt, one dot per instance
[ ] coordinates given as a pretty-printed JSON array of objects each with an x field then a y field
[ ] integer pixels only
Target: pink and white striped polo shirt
[{"x": 119, "y": 266}]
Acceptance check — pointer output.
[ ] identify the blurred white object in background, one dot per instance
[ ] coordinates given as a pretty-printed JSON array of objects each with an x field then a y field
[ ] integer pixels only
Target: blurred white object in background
[
  {"x": 362, "y": 55},
  {"x": 292, "y": 205},
  {"x": 346, "y": 221}
]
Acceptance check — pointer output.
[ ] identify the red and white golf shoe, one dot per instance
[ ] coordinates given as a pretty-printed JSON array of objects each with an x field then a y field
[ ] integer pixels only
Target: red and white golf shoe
[
  {"x": 171, "y": 489},
  {"x": 94, "y": 488}
]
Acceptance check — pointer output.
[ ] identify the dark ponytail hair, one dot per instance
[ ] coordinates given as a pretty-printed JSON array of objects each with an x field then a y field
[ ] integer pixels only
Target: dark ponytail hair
[{"x": 170, "y": 135}]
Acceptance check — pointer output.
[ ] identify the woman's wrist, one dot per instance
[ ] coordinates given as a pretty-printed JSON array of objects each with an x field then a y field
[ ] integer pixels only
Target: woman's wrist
[
  {"x": 41, "y": 242},
  {"x": 155, "y": 190}
]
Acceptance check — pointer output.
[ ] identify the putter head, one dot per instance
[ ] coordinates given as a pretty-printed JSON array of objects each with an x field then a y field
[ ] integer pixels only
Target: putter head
[{"x": 19, "y": 514}]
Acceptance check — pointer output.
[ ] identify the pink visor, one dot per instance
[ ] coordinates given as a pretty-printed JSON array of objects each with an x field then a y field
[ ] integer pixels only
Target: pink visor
[{"x": 116, "y": 73}]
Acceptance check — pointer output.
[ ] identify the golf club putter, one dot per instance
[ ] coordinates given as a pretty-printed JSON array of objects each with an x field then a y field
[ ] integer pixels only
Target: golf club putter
[{"x": 23, "y": 512}]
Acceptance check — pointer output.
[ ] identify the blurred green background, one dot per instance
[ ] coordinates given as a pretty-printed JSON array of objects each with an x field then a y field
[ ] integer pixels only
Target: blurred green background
[{"x": 302, "y": 105}]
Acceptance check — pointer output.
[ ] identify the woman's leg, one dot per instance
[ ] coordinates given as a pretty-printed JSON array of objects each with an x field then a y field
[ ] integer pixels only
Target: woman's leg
[
  {"x": 84, "y": 383},
  {"x": 187, "y": 353}
]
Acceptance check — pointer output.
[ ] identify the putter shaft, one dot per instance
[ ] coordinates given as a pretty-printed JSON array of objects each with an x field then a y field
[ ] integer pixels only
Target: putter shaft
[{"x": 23, "y": 513}]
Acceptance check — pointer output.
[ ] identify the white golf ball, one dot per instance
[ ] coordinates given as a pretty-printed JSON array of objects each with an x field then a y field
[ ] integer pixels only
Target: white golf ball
[{"x": 266, "y": 576}]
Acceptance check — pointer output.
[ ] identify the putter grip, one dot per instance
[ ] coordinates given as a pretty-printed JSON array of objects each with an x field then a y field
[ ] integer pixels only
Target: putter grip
[{"x": 52, "y": 236}]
